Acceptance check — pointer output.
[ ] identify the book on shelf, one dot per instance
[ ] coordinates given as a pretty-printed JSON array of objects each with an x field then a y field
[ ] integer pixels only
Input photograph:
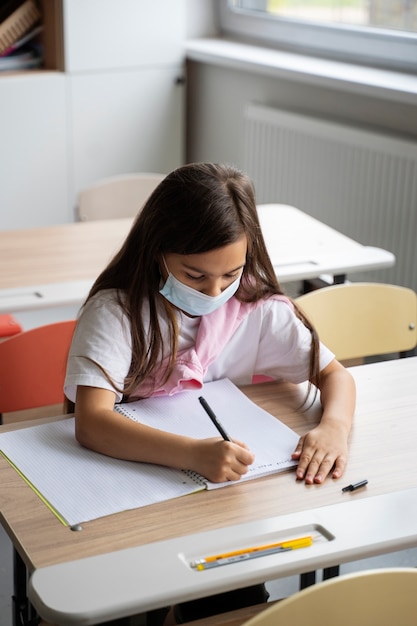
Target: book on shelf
[
  {"x": 25, "y": 58},
  {"x": 22, "y": 41},
  {"x": 79, "y": 485},
  {"x": 17, "y": 17}
]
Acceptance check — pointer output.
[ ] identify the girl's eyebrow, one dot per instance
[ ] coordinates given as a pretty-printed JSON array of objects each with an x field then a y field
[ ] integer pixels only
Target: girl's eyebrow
[{"x": 200, "y": 271}]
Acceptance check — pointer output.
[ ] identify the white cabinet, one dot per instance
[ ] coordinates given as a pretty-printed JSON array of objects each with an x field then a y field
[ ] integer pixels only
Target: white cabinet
[
  {"x": 124, "y": 64},
  {"x": 117, "y": 107},
  {"x": 114, "y": 34},
  {"x": 125, "y": 121},
  {"x": 33, "y": 155}
]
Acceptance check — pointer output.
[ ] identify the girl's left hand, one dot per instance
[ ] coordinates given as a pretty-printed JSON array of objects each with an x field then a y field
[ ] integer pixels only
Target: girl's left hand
[{"x": 321, "y": 451}]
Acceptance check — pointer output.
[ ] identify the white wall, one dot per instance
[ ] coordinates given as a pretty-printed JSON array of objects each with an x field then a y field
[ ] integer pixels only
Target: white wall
[
  {"x": 217, "y": 94},
  {"x": 202, "y": 18}
]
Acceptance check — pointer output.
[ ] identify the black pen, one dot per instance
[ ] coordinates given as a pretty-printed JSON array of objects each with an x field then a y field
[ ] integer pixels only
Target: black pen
[
  {"x": 355, "y": 486},
  {"x": 214, "y": 419}
]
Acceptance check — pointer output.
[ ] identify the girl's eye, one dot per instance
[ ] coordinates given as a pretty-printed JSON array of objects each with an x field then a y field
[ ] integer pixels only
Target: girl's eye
[
  {"x": 233, "y": 275},
  {"x": 191, "y": 277}
]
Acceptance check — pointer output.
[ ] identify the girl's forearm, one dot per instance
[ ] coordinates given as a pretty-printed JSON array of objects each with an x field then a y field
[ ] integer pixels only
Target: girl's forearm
[
  {"x": 114, "y": 435},
  {"x": 338, "y": 396}
]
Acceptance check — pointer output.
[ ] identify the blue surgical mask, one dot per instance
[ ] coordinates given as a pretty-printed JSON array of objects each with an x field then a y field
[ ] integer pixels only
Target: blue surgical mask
[{"x": 192, "y": 301}]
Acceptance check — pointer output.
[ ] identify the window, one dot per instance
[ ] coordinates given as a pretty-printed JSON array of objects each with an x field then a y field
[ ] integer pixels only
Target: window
[
  {"x": 375, "y": 32},
  {"x": 389, "y": 14}
]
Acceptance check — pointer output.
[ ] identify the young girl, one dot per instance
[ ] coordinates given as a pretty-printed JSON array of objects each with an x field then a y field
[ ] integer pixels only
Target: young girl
[{"x": 192, "y": 297}]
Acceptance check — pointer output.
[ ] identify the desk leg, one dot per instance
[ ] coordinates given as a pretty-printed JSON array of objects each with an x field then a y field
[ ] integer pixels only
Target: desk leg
[
  {"x": 311, "y": 284},
  {"x": 307, "y": 579},
  {"x": 23, "y": 612},
  {"x": 330, "y": 572}
]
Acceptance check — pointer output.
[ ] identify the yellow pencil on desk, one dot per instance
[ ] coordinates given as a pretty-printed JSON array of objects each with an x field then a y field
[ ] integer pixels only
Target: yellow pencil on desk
[{"x": 253, "y": 552}]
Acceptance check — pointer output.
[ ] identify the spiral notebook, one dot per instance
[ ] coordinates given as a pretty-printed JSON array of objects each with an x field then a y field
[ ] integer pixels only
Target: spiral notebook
[
  {"x": 271, "y": 441},
  {"x": 79, "y": 485}
]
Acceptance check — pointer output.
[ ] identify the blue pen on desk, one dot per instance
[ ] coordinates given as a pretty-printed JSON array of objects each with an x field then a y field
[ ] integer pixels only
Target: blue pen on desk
[{"x": 213, "y": 418}]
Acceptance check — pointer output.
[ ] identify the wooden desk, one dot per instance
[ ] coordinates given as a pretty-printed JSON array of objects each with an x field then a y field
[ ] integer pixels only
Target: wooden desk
[
  {"x": 56, "y": 265},
  {"x": 141, "y": 556}
]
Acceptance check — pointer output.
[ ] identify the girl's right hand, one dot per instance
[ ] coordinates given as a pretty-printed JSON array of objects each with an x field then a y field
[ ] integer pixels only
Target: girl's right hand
[{"x": 219, "y": 460}]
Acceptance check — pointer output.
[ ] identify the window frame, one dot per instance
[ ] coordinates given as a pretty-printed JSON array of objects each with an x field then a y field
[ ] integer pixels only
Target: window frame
[{"x": 367, "y": 46}]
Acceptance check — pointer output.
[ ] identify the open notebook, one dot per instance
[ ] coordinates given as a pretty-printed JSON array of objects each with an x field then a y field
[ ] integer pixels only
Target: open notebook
[
  {"x": 271, "y": 441},
  {"x": 79, "y": 485}
]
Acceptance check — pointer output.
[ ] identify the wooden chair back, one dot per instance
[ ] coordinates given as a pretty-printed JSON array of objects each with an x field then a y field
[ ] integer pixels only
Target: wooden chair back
[
  {"x": 357, "y": 320},
  {"x": 116, "y": 196},
  {"x": 368, "y": 598}
]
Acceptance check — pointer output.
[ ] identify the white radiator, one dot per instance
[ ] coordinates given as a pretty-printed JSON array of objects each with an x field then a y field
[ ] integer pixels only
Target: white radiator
[{"x": 360, "y": 182}]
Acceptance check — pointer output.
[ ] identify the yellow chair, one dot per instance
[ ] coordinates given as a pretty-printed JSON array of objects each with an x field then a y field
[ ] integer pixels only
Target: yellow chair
[
  {"x": 369, "y": 598},
  {"x": 116, "y": 196},
  {"x": 357, "y": 320}
]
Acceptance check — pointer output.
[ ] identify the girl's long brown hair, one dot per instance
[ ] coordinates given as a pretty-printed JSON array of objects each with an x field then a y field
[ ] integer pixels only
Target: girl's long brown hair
[{"x": 197, "y": 208}]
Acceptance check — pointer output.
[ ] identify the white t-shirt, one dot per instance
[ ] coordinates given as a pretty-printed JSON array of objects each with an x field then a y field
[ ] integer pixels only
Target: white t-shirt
[{"x": 270, "y": 341}]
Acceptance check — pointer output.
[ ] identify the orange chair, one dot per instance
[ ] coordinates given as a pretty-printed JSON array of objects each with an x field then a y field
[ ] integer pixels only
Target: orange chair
[
  {"x": 32, "y": 367},
  {"x": 9, "y": 326}
]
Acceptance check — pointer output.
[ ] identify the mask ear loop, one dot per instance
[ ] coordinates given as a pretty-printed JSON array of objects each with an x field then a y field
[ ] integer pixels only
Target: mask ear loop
[{"x": 166, "y": 267}]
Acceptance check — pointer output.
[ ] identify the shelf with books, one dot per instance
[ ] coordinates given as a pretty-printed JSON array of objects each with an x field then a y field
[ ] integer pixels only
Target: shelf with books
[{"x": 31, "y": 35}]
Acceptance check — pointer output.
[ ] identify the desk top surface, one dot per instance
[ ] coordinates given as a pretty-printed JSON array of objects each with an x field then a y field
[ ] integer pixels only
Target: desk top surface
[
  {"x": 300, "y": 247},
  {"x": 61, "y": 253},
  {"x": 382, "y": 450}
]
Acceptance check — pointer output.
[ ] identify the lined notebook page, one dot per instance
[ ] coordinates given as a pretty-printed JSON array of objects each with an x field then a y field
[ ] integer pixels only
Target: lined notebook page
[
  {"x": 271, "y": 441},
  {"x": 81, "y": 485}
]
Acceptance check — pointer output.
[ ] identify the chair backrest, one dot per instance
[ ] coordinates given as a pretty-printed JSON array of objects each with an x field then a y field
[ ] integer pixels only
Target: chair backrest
[
  {"x": 116, "y": 196},
  {"x": 363, "y": 319},
  {"x": 368, "y": 598},
  {"x": 9, "y": 325},
  {"x": 32, "y": 367}
]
